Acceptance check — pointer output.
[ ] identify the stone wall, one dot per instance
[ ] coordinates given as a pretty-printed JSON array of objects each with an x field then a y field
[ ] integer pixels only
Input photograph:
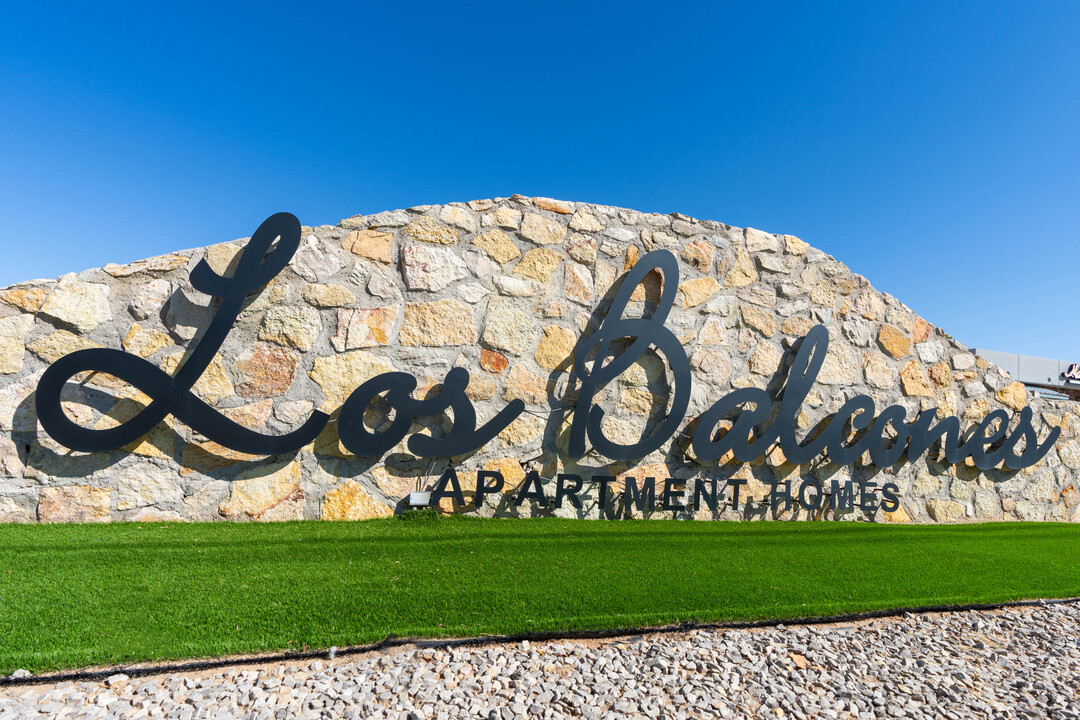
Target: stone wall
[{"x": 503, "y": 288}]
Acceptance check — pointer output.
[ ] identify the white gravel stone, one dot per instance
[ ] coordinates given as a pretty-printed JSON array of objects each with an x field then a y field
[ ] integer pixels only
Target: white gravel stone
[{"x": 1014, "y": 663}]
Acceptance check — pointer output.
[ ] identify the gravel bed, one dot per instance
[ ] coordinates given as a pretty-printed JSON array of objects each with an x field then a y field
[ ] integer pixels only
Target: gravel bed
[{"x": 1014, "y": 663}]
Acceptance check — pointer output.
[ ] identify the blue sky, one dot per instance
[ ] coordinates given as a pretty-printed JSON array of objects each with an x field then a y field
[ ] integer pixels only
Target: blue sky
[{"x": 933, "y": 147}]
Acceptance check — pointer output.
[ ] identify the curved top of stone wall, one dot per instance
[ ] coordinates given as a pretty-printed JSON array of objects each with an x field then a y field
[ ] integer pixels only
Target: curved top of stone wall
[{"x": 504, "y": 288}]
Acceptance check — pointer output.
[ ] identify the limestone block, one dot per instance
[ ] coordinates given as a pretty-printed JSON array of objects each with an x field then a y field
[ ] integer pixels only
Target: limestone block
[
  {"x": 542, "y": 230},
  {"x": 585, "y": 220},
  {"x": 339, "y": 375},
  {"x": 509, "y": 328},
  {"x": 26, "y": 298},
  {"x": 893, "y": 341},
  {"x": 430, "y": 230},
  {"x": 582, "y": 248},
  {"x": 78, "y": 304},
  {"x": 459, "y": 217},
  {"x": 54, "y": 346},
  {"x": 695, "y": 292},
  {"x": 443, "y": 322},
  {"x": 555, "y": 348},
  {"x": 371, "y": 244},
  {"x": 295, "y": 327},
  {"x": 362, "y": 328},
  {"x": 315, "y": 262},
  {"x": 914, "y": 382},
  {"x": 257, "y": 492},
  {"x": 349, "y": 500},
  {"x": 263, "y": 370},
  {"x": 497, "y": 245},
  {"x": 431, "y": 268},
  {"x": 74, "y": 503},
  {"x": 328, "y": 295},
  {"x": 743, "y": 272},
  {"x": 13, "y": 342},
  {"x": 162, "y": 263},
  {"x": 538, "y": 264}
]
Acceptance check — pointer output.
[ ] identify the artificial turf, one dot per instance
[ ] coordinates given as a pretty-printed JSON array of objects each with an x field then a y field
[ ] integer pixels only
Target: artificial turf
[{"x": 78, "y": 595}]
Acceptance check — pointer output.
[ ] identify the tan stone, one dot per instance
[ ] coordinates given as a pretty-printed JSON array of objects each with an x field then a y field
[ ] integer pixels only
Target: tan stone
[
  {"x": 766, "y": 359},
  {"x": 638, "y": 401},
  {"x": 442, "y": 322},
  {"x": 944, "y": 511},
  {"x": 426, "y": 229},
  {"x": 796, "y": 326},
  {"x": 743, "y": 272},
  {"x": 582, "y": 248},
  {"x": 764, "y": 321},
  {"x": 555, "y": 348},
  {"x": 877, "y": 371},
  {"x": 497, "y": 245},
  {"x": 511, "y": 471},
  {"x": 339, "y": 375},
  {"x": 563, "y": 207},
  {"x": 920, "y": 330},
  {"x": 538, "y": 264},
  {"x": 578, "y": 283},
  {"x": 144, "y": 342},
  {"x": 505, "y": 217},
  {"x": 80, "y": 304},
  {"x": 712, "y": 332},
  {"x": 914, "y": 382},
  {"x": 508, "y": 328},
  {"x": 212, "y": 386},
  {"x": 976, "y": 410},
  {"x": 368, "y": 327},
  {"x": 824, "y": 294},
  {"x": 1013, "y": 395},
  {"x": 330, "y": 295},
  {"x": 522, "y": 431},
  {"x": 162, "y": 263},
  {"x": 520, "y": 383},
  {"x": 459, "y": 217},
  {"x": 698, "y": 255},
  {"x": 55, "y": 345},
  {"x": 74, "y": 503},
  {"x": 585, "y": 220},
  {"x": 257, "y": 492},
  {"x": 480, "y": 387},
  {"x": 542, "y": 230},
  {"x": 940, "y": 374},
  {"x": 348, "y": 500},
  {"x": 492, "y": 361},
  {"x": 893, "y": 341},
  {"x": 219, "y": 257},
  {"x": 13, "y": 342},
  {"x": 795, "y": 246},
  {"x": 695, "y": 292},
  {"x": 1069, "y": 495},
  {"x": 371, "y": 244},
  {"x": 841, "y": 367},
  {"x": 253, "y": 415},
  {"x": 27, "y": 299},
  {"x": 897, "y": 516},
  {"x": 295, "y": 327},
  {"x": 264, "y": 370},
  {"x": 870, "y": 305}
]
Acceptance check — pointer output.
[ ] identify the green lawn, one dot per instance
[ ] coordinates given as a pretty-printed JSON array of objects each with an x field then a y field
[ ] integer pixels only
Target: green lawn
[{"x": 77, "y": 595}]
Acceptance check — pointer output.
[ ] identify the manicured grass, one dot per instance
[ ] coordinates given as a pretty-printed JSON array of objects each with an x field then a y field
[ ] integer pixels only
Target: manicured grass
[{"x": 77, "y": 595}]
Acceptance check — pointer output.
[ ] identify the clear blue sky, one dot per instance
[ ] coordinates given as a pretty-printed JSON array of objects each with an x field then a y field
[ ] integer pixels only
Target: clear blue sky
[{"x": 933, "y": 147}]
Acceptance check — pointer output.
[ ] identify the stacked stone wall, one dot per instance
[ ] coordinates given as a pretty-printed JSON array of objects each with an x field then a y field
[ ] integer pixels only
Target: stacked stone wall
[{"x": 505, "y": 288}]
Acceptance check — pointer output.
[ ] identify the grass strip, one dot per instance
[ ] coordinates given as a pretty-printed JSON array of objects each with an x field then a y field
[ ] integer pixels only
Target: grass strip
[{"x": 80, "y": 595}]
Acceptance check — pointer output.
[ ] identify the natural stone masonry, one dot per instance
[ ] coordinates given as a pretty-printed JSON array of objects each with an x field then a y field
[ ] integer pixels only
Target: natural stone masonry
[{"x": 506, "y": 288}]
